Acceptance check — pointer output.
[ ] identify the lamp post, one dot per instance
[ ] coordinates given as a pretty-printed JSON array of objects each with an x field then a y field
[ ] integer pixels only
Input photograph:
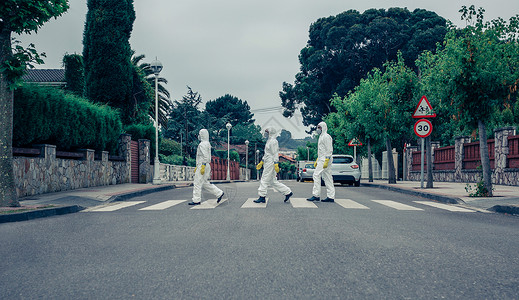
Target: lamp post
[
  {"x": 156, "y": 67},
  {"x": 257, "y": 171},
  {"x": 228, "y": 126},
  {"x": 247, "y": 160},
  {"x": 307, "y": 153}
]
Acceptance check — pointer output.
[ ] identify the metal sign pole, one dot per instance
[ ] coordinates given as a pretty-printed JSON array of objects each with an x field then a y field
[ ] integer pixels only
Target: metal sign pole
[{"x": 422, "y": 163}]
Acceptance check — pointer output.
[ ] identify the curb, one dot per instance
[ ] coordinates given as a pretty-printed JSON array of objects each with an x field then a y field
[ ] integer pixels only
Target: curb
[
  {"x": 439, "y": 198},
  {"x": 505, "y": 209},
  {"x": 40, "y": 213}
]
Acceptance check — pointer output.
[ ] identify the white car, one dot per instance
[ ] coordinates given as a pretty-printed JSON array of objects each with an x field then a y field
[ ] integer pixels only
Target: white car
[{"x": 345, "y": 170}]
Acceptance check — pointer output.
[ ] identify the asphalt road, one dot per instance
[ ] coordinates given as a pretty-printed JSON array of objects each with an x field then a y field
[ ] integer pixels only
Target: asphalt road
[{"x": 277, "y": 252}]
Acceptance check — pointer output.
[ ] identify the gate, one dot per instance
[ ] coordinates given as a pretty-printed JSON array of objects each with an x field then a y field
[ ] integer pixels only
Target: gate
[{"x": 134, "y": 149}]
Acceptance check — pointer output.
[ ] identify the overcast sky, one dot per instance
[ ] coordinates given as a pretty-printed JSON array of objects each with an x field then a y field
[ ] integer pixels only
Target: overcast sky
[{"x": 238, "y": 47}]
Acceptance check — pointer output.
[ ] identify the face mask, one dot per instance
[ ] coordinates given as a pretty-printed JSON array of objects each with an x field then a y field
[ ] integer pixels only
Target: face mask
[
  {"x": 319, "y": 131},
  {"x": 265, "y": 135}
]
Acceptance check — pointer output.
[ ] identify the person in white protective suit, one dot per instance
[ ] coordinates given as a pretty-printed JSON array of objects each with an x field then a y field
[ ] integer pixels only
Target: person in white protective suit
[
  {"x": 203, "y": 170},
  {"x": 270, "y": 164},
  {"x": 323, "y": 165}
]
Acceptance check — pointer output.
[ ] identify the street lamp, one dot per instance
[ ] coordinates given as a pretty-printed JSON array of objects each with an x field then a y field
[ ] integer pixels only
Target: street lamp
[
  {"x": 228, "y": 126},
  {"x": 257, "y": 171},
  {"x": 156, "y": 67},
  {"x": 307, "y": 153},
  {"x": 247, "y": 160}
]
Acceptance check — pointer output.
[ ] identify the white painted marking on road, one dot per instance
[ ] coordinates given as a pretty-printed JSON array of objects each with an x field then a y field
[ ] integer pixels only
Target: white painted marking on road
[
  {"x": 251, "y": 204},
  {"x": 445, "y": 206},
  {"x": 348, "y": 203},
  {"x": 209, "y": 204},
  {"x": 302, "y": 203},
  {"x": 163, "y": 205},
  {"x": 396, "y": 205},
  {"x": 118, "y": 206}
]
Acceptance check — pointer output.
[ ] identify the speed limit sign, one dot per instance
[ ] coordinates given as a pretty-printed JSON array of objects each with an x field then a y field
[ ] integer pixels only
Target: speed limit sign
[{"x": 423, "y": 128}]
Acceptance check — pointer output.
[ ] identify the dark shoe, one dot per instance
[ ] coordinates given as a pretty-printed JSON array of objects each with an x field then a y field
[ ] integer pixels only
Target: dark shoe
[
  {"x": 220, "y": 198},
  {"x": 193, "y": 203},
  {"x": 260, "y": 200},
  {"x": 314, "y": 198},
  {"x": 328, "y": 200},
  {"x": 287, "y": 197}
]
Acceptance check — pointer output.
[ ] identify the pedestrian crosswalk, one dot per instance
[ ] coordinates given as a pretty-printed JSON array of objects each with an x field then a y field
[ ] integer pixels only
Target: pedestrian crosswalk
[{"x": 297, "y": 203}]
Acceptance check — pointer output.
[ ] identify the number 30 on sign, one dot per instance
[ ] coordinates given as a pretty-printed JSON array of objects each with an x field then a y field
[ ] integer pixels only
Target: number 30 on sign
[{"x": 423, "y": 128}]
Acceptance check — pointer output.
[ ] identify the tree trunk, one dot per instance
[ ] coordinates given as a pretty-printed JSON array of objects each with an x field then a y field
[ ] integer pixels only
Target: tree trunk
[
  {"x": 370, "y": 163},
  {"x": 390, "y": 163},
  {"x": 428, "y": 152},
  {"x": 485, "y": 158},
  {"x": 7, "y": 189}
]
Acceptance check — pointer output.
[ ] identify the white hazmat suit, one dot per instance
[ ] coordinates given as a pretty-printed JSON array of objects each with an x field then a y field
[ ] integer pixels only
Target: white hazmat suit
[
  {"x": 270, "y": 159},
  {"x": 324, "y": 162},
  {"x": 203, "y": 170}
]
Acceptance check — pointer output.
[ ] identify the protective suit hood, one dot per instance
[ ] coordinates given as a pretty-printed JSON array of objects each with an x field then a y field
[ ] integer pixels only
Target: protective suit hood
[
  {"x": 324, "y": 127},
  {"x": 272, "y": 132},
  {"x": 203, "y": 135}
]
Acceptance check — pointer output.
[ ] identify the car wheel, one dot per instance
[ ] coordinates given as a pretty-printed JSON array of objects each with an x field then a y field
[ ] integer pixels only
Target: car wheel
[{"x": 357, "y": 183}]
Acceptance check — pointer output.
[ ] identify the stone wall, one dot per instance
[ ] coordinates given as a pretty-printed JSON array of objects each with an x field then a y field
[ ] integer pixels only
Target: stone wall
[{"x": 500, "y": 174}]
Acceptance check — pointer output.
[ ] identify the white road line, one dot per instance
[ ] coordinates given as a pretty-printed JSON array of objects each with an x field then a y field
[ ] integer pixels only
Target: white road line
[
  {"x": 348, "y": 203},
  {"x": 396, "y": 205},
  {"x": 302, "y": 203},
  {"x": 163, "y": 205},
  {"x": 444, "y": 206},
  {"x": 250, "y": 203},
  {"x": 209, "y": 204},
  {"x": 118, "y": 206}
]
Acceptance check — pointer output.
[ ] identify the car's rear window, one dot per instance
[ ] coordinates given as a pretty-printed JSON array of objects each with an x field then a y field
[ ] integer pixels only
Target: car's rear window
[
  {"x": 309, "y": 166},
  {"x": 342, "y": 160}
]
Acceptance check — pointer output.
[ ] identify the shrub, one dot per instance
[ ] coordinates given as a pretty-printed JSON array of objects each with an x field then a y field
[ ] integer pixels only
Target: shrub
[{"x": 46, "y": 115}]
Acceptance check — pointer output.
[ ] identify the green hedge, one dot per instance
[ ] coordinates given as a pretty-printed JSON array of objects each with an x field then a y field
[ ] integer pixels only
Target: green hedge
[{"x": 46, "y": 115}]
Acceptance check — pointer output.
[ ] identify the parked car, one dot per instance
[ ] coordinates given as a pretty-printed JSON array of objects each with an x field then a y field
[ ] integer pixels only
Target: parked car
[
  {"x": 307, "y": 172},
  {"x": 345, "y": 170}
]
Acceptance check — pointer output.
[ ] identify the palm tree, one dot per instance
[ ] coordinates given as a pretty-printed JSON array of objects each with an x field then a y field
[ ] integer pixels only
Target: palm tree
[{"x": 147, "y": 90}]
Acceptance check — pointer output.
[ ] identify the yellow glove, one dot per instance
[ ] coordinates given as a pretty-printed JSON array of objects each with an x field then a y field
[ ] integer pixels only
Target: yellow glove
[
  {"x": 315, "y": 164},
  {"x": 276, "y": 167},
  {"x": 260, "y": 165},
  {"x": 326, "y": 163},
  {"x": 202, "y": 169},
  {"x": 195, "y": 170}
]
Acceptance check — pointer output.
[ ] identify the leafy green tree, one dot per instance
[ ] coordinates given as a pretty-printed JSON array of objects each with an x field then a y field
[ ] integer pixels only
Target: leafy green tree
[
  {"x": 74, "y": 74},
  {"x": 107, "y": 54},
  {"x": 18, "y": 17},
  {"x": 342, "y": 49},
  {"x": 479, "y": 69},
  {"x": 307, "y": 153},
  {"x": 231, "y": 109}
]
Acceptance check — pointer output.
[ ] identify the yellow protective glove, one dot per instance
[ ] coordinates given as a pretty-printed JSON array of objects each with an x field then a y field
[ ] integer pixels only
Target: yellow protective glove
[
  {"x": 315, "y": 164},
  {"x": 195, "y": 170},
  {"x": 276, "y": 168},
  {"x": 259, "y": 166},
  {"x": 202, "y": 169},
  {"x": 326, "y": 163}
]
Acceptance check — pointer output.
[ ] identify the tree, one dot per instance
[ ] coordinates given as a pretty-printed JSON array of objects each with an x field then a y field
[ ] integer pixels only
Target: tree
[
  {"x": 18, "y": 17},
  {"x": 231, "y": 109},
  {"x": 185, "y": 121},
  {"x": 342, "y": 49},
  {"x": 107, "y": 54},
  {"x": 479, "y": 69},
  {"x": 74, "y": 74}
]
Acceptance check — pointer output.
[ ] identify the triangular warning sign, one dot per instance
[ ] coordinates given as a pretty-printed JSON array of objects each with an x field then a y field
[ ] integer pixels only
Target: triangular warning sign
[
  {"x": 355, "y": 142},
  {"x": 424, "y": 109}
]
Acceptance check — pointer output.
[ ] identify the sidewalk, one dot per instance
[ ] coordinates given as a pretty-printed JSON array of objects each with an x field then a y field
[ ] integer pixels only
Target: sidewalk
[{"x": 505, "y": 200}]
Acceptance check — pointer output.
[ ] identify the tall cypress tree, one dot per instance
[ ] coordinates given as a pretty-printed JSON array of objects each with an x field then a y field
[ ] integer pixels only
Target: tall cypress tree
[{"x": 107, "y": 53}]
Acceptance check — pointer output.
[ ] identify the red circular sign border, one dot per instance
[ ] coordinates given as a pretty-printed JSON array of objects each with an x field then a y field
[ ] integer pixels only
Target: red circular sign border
[{"x": 428, "y": 122}]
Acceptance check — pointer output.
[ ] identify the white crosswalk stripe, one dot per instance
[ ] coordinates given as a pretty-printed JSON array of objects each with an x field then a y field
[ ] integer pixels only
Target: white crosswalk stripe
[
  {"x": 251, "y": 204},
  {"x": 445, "y": 206},
  {"x": 117, "y": 206},
  {"x": 348, "y": 203},
  {"x": 301, "y": 203},
  {"x": 396, "y": 205},
  {"x": 163, "y": 205},
  {"x": 209, "y": 204}
]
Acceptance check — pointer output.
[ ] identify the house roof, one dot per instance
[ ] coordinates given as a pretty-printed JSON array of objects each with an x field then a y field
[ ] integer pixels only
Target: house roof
[
  {"x": 287, "y": 158},
  {"x": 45, "y": 76}
]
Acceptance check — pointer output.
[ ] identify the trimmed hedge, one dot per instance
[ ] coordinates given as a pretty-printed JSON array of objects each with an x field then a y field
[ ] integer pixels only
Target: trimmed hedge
[{"x": 46, "y": 115}]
